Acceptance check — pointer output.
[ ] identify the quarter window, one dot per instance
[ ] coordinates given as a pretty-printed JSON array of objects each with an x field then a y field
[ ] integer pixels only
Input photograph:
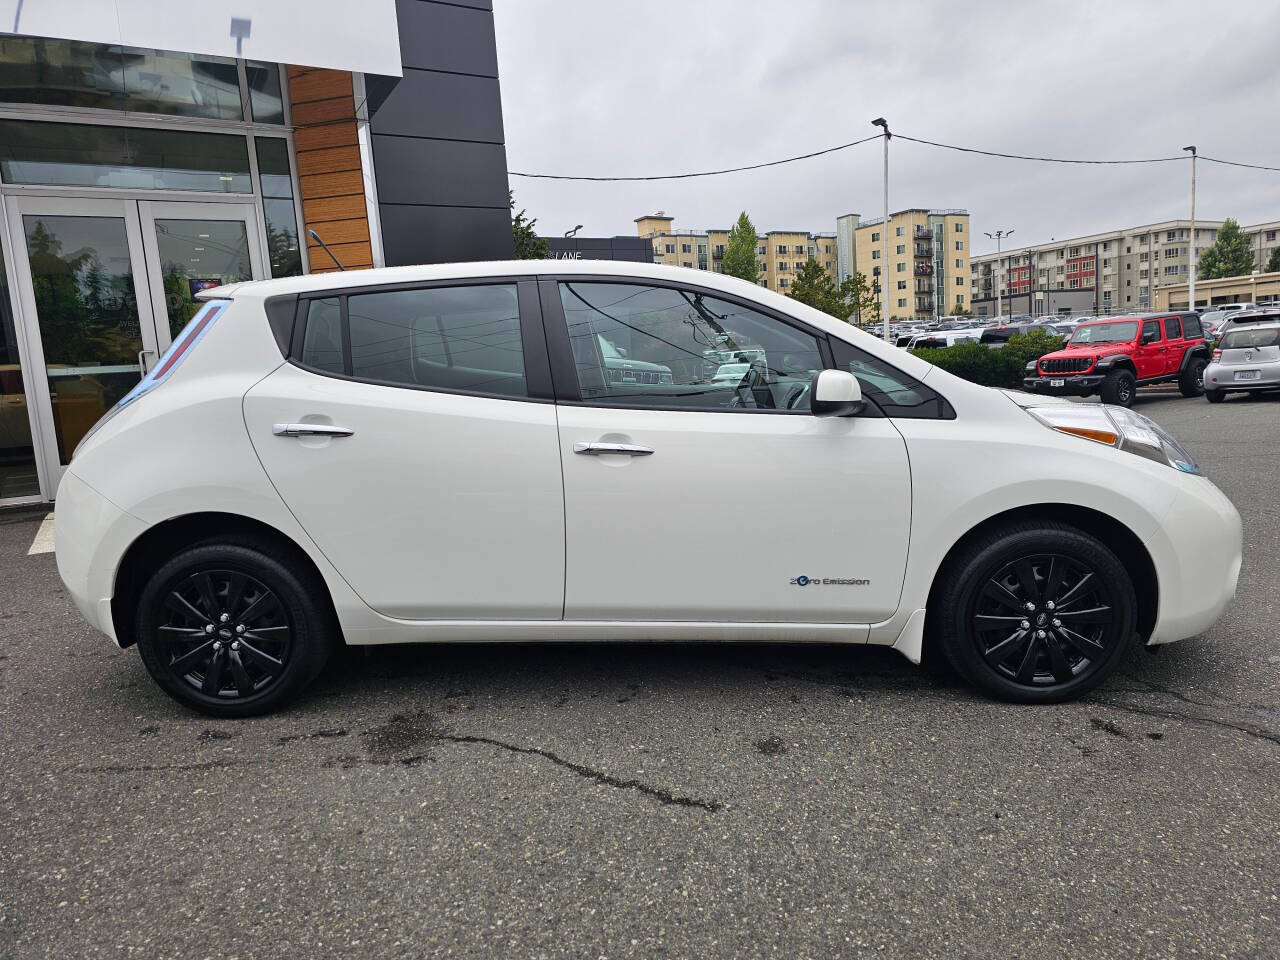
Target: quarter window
[
  {"x": 895, "y": 393},
  {"x": 662, "y": 347},
  {"x": 322, "y": 344}
]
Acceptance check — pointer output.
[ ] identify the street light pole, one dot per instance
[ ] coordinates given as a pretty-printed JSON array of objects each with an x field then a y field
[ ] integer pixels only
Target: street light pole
[
  {"x": 999, "y": 292},
  {"x": 1191, "y": 286},
  {"x": 884, "y": 230}
]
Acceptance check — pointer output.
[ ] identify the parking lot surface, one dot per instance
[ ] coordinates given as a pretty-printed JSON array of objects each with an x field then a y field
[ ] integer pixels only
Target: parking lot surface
[{"x": 654, "y": 800}]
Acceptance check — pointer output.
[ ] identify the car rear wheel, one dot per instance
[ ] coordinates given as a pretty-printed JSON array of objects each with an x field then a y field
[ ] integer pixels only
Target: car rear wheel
[
  {"x": 1118, "y": 388},
  {"x": 1191, "y": 383},
  {"x": 1215, "y": 396},
  {"x": 231, "y": 631},
  {"x": 1036, "y": 613}
]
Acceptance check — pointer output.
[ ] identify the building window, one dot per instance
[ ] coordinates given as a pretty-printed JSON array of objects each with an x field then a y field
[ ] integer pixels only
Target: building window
[
  {"x": 784, "y": 282},
  {"x": 875, "y": 238},
  {"x": 799, "y": 248},
  {"x": 761, "y": 251},
  {"x": 277, "y": 206},
  {"x": 902, "y": 301},
  {"x": 671, "y": 248},
  {"x": 902, "y": 284},
  {"x": 959, "y": 244},
  {"x": 764, "y": 265},
  {"x": 900, "y": 266},
  {"x": 782, "y": 265},
  {"x": 959, "y": 281},
  {"x": 687, "y": 263},
  {"x": 959, "y": 228},
  {"x": 959, "y": 264},
  {"x": 902, "y": 248},
  {"x": 782, "y": 248},
  {"x": 899, "y": 232},
  {"x": 875, "y": 254},
  {"x": 686, "y": 248}
]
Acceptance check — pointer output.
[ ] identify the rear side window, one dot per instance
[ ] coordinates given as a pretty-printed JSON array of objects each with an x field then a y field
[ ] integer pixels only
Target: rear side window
[
  {"x": 1173, "y": 328},
  {"x": 895, "y": 393},
  {"x": 322, "y": 344},
  {"x": 464, "y": 338},
  {"x": 1191, "y": 328}
]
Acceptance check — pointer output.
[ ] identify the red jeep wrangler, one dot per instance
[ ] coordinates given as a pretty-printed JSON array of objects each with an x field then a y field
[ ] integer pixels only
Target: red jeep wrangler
[{"x": 1113, "y": 357}]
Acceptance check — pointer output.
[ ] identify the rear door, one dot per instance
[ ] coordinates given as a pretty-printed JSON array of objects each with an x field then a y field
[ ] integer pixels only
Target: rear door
[
  {"x": 1175, "y": 346},
  {"x": 413, "y": 436},
  {"x": 1149, "y": 354}
]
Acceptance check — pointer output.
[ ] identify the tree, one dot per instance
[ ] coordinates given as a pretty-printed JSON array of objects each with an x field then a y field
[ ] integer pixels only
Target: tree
[
  {"x": 529, "y": 246},
  {"x": 740, "y": 251},
  {"x": 815, "y": 287},
  {"x": 1273, "y": 264},
  {"x": 1229, "y": 256}
]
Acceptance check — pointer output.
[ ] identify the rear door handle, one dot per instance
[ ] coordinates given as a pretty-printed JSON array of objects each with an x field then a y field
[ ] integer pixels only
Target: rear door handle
[
  {"x": 310, "y": 430},
  {"x": 625, "y": 449}
]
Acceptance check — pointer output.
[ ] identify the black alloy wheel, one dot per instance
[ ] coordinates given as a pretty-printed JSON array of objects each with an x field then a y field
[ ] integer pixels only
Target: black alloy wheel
[
  {"x": 229, "y": 629},
  {"x": 228, "y": 636},
  {"x": 1042, "y": 619},
  {"x": 1035, "y": 612}
]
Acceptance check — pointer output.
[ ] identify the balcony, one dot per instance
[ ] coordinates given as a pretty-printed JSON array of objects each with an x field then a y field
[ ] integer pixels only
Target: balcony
[
  {"x": 923, "y": 233},
  {"x": 923, "y": 252},
  {"x": 924, "y": 270}
]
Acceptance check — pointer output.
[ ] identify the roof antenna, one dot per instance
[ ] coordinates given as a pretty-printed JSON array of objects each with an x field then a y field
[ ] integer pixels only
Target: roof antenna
[{"x": 316, "y": 237}]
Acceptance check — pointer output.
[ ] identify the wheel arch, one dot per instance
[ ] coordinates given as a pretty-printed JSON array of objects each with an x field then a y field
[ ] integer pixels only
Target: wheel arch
[
  {"x": 1198, "y": 352},
  {"x": 162, "y": 540},
  {"x": 1122, "y": 541}
]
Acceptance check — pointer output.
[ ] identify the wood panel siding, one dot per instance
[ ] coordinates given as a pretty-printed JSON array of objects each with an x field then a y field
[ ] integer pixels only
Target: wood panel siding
[{"x": 330, "y": 178}]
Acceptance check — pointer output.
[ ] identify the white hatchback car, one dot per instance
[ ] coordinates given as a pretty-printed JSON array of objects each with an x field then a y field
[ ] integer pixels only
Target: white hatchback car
[{"x": 441, "y": 453}]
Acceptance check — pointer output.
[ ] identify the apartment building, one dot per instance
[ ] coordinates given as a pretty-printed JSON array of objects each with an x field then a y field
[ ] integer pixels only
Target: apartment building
[
  {"x": 1112, "y": 272},
  {"x": 781, "y": 253},
  {"x": 928, "y": 259}
]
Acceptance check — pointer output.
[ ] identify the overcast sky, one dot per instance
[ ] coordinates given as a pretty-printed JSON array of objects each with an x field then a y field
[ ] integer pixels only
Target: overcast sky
[{"x": 605, "y": 87}]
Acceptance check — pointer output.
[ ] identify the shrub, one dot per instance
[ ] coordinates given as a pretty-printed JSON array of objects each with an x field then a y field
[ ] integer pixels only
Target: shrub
[{"x": 993, "y": 367}]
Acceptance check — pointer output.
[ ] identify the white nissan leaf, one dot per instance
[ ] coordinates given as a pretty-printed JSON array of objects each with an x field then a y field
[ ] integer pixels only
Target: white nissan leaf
[{"x": 451, "y": 453}]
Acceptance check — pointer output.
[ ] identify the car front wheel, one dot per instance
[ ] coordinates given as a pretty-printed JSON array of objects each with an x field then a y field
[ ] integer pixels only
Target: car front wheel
[
  {"x": 228, "y": 629},
  {"x": 1036, "y": 613},
  {"x": 1118, "y": 388}
]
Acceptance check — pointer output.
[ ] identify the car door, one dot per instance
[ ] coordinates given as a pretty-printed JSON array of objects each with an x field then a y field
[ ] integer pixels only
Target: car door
[
  {"x": 1149, "y": 354},
  {"x": 413, "y": 435},
  {"x": 691, "y": 498},
  {"x": 1174, "y": 344}
]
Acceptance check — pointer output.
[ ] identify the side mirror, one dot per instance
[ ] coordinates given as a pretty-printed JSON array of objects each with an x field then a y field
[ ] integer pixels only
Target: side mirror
[{"x": 835, "y": 393}]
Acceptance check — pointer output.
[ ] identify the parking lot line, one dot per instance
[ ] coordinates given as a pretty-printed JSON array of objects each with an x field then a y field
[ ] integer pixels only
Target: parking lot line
[{"x": 43, "y": 543}]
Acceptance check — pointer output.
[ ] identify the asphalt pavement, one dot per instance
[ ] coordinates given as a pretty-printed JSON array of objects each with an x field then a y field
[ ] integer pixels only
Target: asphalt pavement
[{"x": 653, "y": 800}]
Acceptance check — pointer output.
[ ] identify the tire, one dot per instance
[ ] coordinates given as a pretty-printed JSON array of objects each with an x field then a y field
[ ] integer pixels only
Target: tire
[
  {"x": 1118, "y": 388},
  {"x": 982, "y": 606},
  {"x": 188, "y": 628},
  {"x": 1215, "y": 396},
  {"x": 1191, "y": 382}
]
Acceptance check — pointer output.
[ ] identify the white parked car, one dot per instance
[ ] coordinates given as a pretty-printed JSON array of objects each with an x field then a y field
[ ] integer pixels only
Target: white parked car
[{"x": 438, "y": 453}]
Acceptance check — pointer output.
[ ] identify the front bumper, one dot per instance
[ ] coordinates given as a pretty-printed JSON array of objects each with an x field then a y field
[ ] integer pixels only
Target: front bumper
[
  {"x": 1197, "y": 554},
  {"x": 91, "y": 535},
  {"x": 1068, "y": 384},
  {"x": 1219, "y": 376}
]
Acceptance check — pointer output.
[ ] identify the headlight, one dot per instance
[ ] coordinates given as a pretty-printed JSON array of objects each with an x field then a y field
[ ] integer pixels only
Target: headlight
[{"x": 1117, "y": 427}]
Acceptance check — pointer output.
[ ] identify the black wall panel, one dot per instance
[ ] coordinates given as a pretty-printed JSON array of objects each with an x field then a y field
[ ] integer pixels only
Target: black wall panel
[{"x": 439, "y": 155}]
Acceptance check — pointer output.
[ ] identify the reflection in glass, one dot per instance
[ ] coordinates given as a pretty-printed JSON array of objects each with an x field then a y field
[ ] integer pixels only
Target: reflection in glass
[
  {"x": 277, "y": 206},
  {"x": 87, "y": 310},
  {"x": 107, "y": 77},
  {"x": 196, "y": 255},
  {"x": 264, "y": 91},
  {"x": 17, "y": 456},
  {"x": 75, "y": 154}
]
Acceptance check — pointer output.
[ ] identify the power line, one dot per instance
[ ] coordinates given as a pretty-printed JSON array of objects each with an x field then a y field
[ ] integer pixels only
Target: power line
[
  {"x": 1019, "y": 156},
  {"x": 1234, "y": 163},
  {"x": 705, "y": 173}
]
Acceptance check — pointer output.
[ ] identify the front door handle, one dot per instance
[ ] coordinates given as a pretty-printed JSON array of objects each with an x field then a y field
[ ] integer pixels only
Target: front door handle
[
  {"x": 625, "y": 449},
  {"x": 310, "y": 430}
]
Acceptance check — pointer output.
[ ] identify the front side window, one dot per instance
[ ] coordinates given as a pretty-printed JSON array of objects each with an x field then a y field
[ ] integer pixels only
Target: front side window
[
  {"x": 438, "y": 338},
  {"x": 1150, "y": 331},
  {"x": 895, "y": 393},
  {"x": 657, "y": 346}
]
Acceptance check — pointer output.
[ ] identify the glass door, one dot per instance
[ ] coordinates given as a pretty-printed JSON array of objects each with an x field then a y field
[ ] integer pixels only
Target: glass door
[
  {"x": 191, "y": 247},
  {"x": 88, "y": 318}
]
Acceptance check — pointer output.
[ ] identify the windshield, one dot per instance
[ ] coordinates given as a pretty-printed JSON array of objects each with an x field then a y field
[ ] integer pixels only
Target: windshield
[
  {"x": 1119, "y": 332},
  {"x": 1244, "y": 339}
]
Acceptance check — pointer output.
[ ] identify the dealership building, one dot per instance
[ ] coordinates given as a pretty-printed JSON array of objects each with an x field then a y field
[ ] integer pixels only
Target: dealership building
[{"x": 146, "y": 155}]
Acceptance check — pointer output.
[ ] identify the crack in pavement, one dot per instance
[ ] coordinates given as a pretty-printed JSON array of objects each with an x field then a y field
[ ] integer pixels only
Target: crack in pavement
[
  {"x": 599, "y": 776},
  {"x": 401, "y": 736},
  {"x": 1188, "y": 718}
]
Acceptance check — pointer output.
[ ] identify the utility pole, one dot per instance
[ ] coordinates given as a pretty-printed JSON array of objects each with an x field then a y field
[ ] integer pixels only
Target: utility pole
[
  {"x": 999, "y": 292},
  {"x": 1191, "y": 286},
  {"x": 884, "y": 231}
]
